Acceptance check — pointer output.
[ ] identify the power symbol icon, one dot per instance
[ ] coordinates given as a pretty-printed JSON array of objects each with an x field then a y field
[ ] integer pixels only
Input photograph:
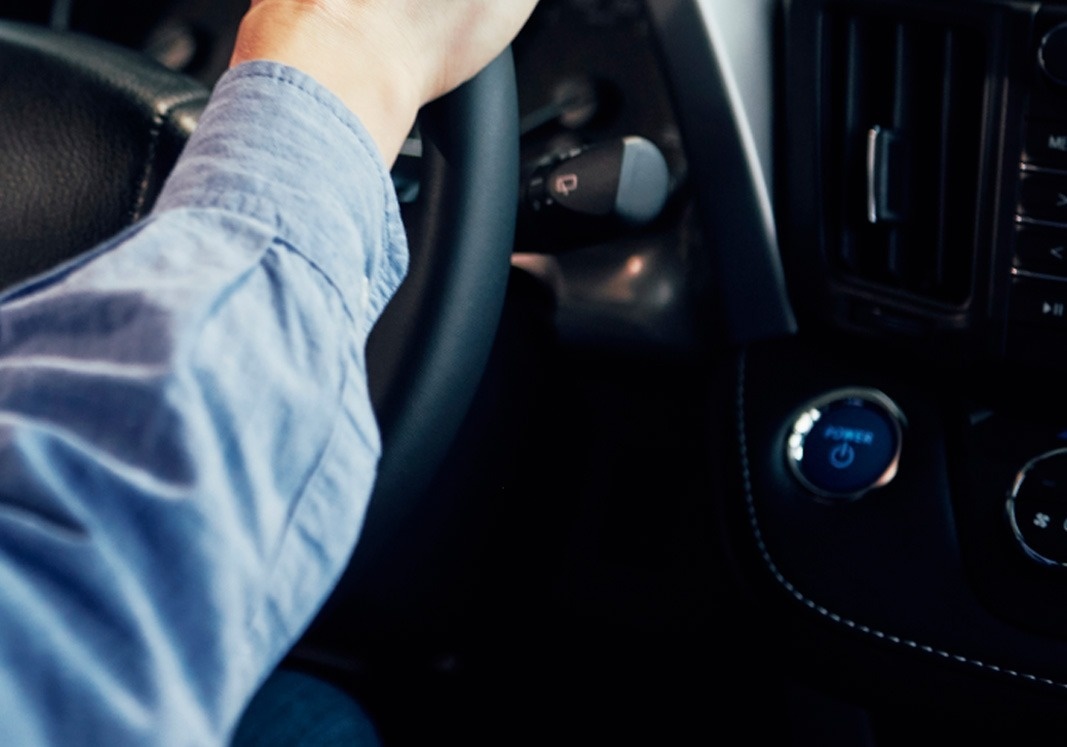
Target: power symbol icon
[{"x": 842, "y": 456}]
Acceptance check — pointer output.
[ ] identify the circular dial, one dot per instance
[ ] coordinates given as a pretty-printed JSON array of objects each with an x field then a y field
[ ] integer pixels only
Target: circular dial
[
  {"x": 1053, "y": 54},
  {"x": 1037, "y": 508}
]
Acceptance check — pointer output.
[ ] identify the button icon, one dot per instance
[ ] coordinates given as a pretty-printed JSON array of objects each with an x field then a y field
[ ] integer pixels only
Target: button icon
[
  {"x": 1036, "y": 508},
  {"x": 1041, "y": 250},
  {"x": 1046, "y": 143},
  {"x": 842, "y": 456},
  {"x": 1040, "y": 301},
  {"x": 1044, "y": 196},
  {"x": 568, "y": 183},
  {"x": 1053, "y": 309}
]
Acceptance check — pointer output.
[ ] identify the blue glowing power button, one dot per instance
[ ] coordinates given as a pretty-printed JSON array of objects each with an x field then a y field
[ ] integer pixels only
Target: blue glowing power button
[{"x": 846, "y": 443}]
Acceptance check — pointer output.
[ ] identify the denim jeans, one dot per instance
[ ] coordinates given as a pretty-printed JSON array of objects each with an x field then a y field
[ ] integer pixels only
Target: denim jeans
[{"x": 294, "y": 709}]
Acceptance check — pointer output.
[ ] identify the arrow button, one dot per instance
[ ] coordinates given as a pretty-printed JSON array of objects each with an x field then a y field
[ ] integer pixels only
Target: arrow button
[
  {"x": 1043, "y": 196},
  {"x": 1042, "y": 251}
]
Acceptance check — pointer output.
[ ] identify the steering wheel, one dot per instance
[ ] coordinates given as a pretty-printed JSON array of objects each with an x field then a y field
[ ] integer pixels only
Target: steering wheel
[{"x": 89, "y": 132}]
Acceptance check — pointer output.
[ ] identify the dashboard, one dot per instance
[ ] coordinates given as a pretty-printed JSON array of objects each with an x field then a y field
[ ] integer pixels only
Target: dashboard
[{"x": 791, "y": 442}]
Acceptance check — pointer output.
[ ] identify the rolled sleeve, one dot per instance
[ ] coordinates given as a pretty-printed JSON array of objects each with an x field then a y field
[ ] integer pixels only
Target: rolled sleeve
[{"x": 187, "y": 444}]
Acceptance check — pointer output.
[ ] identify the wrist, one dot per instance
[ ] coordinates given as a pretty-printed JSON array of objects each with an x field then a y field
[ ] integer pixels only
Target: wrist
[{"x": 346, "y": 50}]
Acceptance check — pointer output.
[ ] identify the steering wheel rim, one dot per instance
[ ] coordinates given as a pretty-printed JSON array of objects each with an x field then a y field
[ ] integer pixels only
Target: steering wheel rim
[{"x": 427, "y": 354}]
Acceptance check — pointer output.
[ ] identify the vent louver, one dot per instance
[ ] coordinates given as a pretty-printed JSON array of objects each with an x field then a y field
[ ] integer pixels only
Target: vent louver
[{"x": 903, "y": 110}]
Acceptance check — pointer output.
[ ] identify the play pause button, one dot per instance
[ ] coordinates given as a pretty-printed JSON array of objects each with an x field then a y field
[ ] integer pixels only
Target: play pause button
[{"x": 1039, "y": 301}]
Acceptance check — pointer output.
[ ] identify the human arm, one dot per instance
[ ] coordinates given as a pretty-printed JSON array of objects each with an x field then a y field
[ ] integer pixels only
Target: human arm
[
  {"x": 162, "y": 535},
  {"x": 173, "y": 412}
]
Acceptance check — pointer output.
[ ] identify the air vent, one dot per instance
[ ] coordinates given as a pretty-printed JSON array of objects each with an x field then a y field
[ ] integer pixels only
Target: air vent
[{"x": 902, "y": 126}]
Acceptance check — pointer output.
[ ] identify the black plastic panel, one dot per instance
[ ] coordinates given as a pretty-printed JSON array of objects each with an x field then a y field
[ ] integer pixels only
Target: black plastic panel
[
  {"x": 731, "y": 189},
  {"x": 925, "y": 566}
]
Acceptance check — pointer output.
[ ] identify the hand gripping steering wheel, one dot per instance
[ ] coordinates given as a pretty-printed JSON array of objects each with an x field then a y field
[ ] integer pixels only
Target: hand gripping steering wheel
[{"x": 89, "y": 132}]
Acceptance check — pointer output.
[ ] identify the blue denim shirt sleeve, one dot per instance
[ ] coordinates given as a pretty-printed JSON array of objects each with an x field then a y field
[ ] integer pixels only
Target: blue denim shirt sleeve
[{"x": 187, "y": 446}]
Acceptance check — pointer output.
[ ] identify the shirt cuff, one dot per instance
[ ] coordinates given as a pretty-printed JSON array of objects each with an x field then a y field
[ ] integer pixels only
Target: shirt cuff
[{"x": 277, "y": 147}]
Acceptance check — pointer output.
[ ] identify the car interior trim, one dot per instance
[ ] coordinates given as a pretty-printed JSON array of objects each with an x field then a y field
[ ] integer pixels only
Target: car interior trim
[
  {"x": 828, "y": 614},
  {"x": 733, "y": 193}
]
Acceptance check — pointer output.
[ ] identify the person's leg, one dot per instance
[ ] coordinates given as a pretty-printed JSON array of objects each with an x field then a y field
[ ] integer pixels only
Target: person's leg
[{"x": 294, "y": 709}]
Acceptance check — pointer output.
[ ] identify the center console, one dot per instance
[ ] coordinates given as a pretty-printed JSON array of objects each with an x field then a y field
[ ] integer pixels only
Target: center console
[{"x": 922, "y": 206}]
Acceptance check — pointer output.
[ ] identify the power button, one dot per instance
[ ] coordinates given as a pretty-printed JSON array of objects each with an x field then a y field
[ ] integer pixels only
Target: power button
[{"x": 846, "y": 443}]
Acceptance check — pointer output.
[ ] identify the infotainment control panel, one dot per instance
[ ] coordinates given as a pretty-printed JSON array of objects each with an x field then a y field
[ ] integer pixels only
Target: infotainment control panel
[{"x": 1038, "y": 295}]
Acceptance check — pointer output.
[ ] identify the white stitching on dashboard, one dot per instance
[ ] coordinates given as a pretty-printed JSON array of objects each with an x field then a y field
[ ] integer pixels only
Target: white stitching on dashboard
[{"x": 746, "y": 475}]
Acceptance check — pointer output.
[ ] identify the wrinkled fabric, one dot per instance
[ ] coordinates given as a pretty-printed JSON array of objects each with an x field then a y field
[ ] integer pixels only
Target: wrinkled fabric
[{"x": 187, "y": 446}]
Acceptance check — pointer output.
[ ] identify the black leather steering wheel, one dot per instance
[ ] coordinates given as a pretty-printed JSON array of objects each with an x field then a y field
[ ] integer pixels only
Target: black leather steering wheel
[{"x": 89, "y": 131}]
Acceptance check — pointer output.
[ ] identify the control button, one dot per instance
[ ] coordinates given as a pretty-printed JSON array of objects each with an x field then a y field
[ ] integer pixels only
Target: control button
[
  {"x": 1043, "y": 196},
  {"x": 1046, "y": 143},
  {"x": 626, "y": 179},
  {"x": 1041, "y": 301},
  {"x": 846, "y": 443},
  {"x": 1037, "y": 508},
  {"x": 1041, "y": 251},
  {"x": 1053, "y": 54}
]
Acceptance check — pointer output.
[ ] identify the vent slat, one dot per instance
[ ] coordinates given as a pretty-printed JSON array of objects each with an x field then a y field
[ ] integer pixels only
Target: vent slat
[
  {"x": 904, "y": 80},
  {"x": 941, "y": 264}
]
